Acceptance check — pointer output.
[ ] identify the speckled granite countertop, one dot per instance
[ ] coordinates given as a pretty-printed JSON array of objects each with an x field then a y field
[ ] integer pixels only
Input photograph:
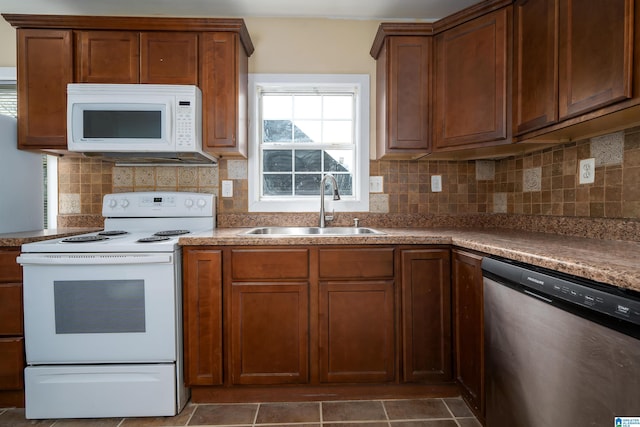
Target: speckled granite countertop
[
  {"x": 609, "y": 261},
  {"x": 20, "y": 238}
]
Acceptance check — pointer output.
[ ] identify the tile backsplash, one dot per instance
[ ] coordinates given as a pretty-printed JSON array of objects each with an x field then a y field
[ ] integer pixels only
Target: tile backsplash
[{"x": 545, "y": 182}]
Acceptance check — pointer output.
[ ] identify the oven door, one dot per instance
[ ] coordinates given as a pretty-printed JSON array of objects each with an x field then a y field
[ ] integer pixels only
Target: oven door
[{"x": 100, "y": 308}]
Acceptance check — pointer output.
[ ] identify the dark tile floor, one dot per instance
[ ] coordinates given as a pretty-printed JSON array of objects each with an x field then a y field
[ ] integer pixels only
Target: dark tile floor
[{"x": 448, "y": 412}]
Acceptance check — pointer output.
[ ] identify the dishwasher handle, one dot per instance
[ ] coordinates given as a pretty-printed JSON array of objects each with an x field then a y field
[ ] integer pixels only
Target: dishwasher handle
[{"x": 93, "y": 259}]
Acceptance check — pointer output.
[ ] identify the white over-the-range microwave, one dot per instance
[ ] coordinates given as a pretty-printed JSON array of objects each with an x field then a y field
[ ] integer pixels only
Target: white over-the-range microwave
[{"x": 136, "y": 123}]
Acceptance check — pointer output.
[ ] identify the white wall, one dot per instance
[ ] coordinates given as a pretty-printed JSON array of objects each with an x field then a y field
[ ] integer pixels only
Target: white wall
[{"x": 7, "y": 44}]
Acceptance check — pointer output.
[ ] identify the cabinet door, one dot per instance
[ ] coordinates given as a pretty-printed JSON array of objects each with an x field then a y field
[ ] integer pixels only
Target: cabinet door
[
  {"x": 471, "y": 82},
  {"x": 404, "y": 96},
  {"x": 202, "y": 300},
  {"x": 469, "y": 327},
  {"x": 426, "y": 315},
  {"x": 169, "y": 58},
  {"x": 11, "y": 363},
  {"x": 356, "y": 331},
  {"x": 223, "y": 81},
  {"x": 10, "y": 309},
  {"x": 270, "y": 333},
  {"x": 596, "y": 46},
  {"x": 45, "y": 66},
  {"x": 535, "y": 72},
  {"x": 107, "y": 56}
]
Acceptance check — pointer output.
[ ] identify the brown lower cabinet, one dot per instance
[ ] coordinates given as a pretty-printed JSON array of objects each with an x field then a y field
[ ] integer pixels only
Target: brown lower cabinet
[
  {"x": 317, "y": 316},
  {"x": 469, "y": 327},
  {"x": 268, "y": 316},
  {"x": 426, "y": 314},
  {"x": 12, "y": 359}
]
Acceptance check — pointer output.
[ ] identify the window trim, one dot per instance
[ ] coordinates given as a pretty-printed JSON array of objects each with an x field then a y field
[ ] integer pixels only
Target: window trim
[{"x": 360, "y": 200}]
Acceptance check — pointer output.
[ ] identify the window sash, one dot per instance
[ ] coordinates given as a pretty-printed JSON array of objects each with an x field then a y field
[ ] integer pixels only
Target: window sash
[{"x": 356, "y": 150}]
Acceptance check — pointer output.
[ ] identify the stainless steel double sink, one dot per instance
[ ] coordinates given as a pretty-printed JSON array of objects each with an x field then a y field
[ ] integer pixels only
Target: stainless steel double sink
[{"x": 312, "y": 231}]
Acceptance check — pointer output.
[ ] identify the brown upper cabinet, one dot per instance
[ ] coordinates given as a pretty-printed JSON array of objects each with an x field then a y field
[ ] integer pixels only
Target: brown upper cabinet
[
  {"x": 471, "y": 83},
  {"x": 570, "y": 59},
  {"x": 209, "y": 52},
  {"x": 137, "y": 57},
  {"x": 45, "y": 66},
  {"x": 444, "y": 87},
  {"x": 107, "y": 56},
  {"x": 403, "y": 88}
]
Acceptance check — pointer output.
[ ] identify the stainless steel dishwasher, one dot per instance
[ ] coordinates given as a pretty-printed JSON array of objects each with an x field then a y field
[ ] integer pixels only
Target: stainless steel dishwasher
[{"x": 559, "y": 350}]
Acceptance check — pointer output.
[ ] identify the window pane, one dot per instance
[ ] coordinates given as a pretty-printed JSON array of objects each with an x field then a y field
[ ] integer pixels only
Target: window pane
[
  {"x": 308, "y": 184},
  {"x": 338, "y": 161},
  {"x": 277, "y": 131},
  {"x": 307, "y": 107},
  {"x": 276, "y": 160},
  {"x": 277, "y": 107},
  {"x": 308, "y": 160},
  {"x": 338, "y": 107},
  {"x": 276, "y": 185},
  {"x": 308, "y": 131},
  {"x": 337, "y": 131},
  {"x": 345, "y": 184}
]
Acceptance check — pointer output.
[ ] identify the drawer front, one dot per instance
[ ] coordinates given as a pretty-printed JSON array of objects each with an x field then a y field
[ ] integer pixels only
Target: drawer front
[
  {"x": 10, "y": 270},
  {"x": 10, "y": 309},
  {"x": 265, "y": 264},
  {"x": 356, "y": 263}
]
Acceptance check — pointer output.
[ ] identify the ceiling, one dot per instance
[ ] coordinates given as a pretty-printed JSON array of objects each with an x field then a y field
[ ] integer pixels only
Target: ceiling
[{"x": 383, "y": 10}]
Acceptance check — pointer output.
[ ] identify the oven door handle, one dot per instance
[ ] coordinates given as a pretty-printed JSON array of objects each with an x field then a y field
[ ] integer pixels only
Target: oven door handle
[{"x": 94, "y": 259}]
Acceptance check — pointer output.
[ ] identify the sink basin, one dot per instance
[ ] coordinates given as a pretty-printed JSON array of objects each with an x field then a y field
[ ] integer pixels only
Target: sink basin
[{"x": 312, "y": 231}]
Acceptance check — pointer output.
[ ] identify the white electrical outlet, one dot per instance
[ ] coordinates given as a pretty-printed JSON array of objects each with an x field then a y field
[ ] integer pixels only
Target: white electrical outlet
[
  {"x": 587, "y": 171},
  {"x": 436, "y": 183},
  {"x": 375, "y": 184},
  {"x": 227, "y": 188}
]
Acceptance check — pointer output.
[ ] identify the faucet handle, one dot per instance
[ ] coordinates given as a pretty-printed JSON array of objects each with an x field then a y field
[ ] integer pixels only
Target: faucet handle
[{"x": 356, "y": 222}]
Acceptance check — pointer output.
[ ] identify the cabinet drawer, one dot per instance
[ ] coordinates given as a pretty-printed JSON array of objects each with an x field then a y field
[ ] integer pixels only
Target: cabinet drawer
[
  {"x": 10, "y": 270},
  {"x": 265, "y": 264},
  {"x": 10, "y": 309},
  {"x": 11, "y": 363},
  {"x": 356, "y": 263}
]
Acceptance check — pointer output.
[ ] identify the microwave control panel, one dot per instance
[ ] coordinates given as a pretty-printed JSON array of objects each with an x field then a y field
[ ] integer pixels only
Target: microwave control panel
[{"x": 185, "y": 123}]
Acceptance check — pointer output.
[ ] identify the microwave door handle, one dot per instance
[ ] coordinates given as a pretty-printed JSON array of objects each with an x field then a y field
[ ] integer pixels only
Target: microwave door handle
[{"x": 93, "y": 259}]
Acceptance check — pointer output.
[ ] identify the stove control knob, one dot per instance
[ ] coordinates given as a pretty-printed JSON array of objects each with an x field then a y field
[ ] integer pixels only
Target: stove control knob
[
  {"x": 113, "y": 203},
  {"x": 188, "y": 203},
  {"x": 202, "y": 203},
  {"x": 124, "y": 203}
]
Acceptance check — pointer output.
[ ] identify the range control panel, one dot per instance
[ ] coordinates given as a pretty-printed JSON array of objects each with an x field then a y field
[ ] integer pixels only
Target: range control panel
[{"x": 158, "y": 204}]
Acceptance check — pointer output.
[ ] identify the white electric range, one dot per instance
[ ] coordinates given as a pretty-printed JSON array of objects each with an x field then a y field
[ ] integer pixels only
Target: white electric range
[{"x": 103, "y": 311}]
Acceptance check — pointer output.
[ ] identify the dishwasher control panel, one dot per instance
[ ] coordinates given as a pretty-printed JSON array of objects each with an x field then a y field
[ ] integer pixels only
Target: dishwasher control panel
[{"x": 547, "y": 286}]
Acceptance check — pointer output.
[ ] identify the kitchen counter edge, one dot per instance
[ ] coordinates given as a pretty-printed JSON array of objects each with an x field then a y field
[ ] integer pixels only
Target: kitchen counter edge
[{"x": 608, "y": 261}]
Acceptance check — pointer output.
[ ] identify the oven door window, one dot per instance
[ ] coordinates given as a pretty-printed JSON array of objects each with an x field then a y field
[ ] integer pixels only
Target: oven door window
[{"x": 99, "y": 306}]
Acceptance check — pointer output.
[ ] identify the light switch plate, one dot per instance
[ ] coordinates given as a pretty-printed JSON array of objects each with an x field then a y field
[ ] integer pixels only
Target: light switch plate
[
  {"x": 587, "y": 171},
  {"x": 375, "y": 184},
  {"x": 436, "y": 183},
  {"x": 227, "y": 188}
]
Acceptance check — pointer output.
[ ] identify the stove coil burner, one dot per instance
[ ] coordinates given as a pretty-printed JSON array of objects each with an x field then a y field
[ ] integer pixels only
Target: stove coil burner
[
  {"x": 84, "y": 239},
  {"x": 152, "y": 239},
  {"x": 112, "y": 233},
  {"x": 171, "y": 233}
]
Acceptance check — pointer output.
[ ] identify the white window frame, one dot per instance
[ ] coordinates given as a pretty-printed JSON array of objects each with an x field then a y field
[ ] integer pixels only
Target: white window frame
[{"x": 359, "y": 202}]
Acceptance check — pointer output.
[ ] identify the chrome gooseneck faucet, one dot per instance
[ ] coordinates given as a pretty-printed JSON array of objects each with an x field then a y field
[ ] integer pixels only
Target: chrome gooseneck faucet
[{"x": 336, "y": 196}]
